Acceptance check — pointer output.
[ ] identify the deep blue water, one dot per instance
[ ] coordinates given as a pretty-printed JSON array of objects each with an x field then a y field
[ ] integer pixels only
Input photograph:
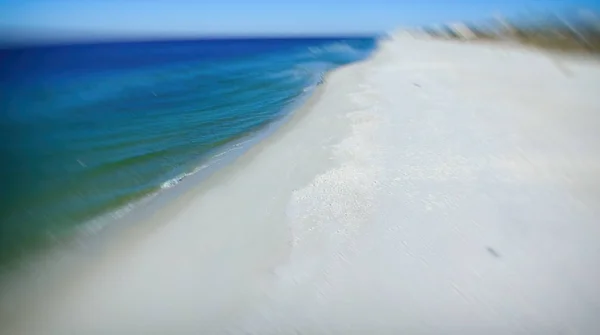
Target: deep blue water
[{"x": 88, "y": 129}]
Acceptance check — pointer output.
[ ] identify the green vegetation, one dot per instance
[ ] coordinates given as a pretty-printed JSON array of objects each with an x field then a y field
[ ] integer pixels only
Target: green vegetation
[{"x": 570, "y": 32}]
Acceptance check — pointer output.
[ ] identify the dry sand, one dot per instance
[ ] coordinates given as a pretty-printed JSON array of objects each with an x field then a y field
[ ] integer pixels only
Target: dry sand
[{"x": 437, "y": 188}]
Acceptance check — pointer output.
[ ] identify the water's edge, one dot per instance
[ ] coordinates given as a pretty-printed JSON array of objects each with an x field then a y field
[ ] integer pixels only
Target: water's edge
[
  {"x": 93, "y": 237},
  {"x": 77, "y": 180}
]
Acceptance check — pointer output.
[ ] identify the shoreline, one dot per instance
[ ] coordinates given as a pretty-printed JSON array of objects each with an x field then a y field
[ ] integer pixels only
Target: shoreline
[
  {"x": 111, "y": 223},
  {"x": 117, "y": 234},
  {"x": 428, "y": 188},
  {"x": 139, "y": 163}
]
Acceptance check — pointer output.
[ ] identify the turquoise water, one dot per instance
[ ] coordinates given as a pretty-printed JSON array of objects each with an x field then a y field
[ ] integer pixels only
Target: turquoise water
[{"x": 86, "y": 130}]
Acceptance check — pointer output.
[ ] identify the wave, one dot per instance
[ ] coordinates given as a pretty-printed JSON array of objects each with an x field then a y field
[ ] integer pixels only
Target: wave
[
  {"x": 213, "y": 160},
  {"x": 335, "y": 48}
]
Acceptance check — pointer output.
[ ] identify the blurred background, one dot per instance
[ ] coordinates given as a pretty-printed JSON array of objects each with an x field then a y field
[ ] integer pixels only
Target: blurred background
[{"x": 42, "y": 20}]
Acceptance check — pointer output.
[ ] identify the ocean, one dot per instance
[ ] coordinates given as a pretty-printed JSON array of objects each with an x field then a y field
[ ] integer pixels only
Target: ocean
[{"x": 91, "y": 131}]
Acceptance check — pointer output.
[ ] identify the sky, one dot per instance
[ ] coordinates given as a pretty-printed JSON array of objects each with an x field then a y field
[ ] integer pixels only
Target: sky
[{"x": 114, "y": 18}]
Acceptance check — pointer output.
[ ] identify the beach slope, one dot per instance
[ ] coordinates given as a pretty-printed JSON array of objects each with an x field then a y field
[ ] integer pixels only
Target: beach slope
[{"x": 436, "y": 188}]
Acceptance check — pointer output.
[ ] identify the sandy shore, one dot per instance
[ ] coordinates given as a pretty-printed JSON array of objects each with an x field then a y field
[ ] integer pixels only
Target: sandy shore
[{"x": 437, "y": 188}]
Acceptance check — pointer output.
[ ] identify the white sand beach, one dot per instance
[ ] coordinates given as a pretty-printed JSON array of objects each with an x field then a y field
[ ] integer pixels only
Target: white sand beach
[{"x": 436, "y": 188}]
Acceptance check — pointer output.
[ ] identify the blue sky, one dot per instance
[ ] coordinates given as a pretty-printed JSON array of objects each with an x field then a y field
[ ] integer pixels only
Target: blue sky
[{"x": 248, "y": 17}]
